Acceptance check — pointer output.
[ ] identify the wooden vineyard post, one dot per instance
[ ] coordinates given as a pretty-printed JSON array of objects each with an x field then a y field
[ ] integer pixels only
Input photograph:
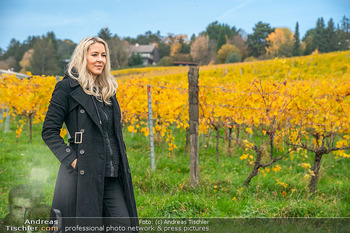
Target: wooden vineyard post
[
  {"x": 193, "y": 74},
  {"x": 150, "y": 125}
]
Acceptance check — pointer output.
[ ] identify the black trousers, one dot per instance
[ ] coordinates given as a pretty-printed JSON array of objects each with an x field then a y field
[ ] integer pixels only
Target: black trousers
[{"x": 115, "y": 212}]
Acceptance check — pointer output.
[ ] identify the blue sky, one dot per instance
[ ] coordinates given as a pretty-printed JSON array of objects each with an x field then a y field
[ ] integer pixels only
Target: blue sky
[{"x": 76, "y": 19}]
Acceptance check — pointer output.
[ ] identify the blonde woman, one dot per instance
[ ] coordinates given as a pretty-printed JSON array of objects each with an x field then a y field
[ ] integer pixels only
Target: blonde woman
[{"x": 94, "y": 178}]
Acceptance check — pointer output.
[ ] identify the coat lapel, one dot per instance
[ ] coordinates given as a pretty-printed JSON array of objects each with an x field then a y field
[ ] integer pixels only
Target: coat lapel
[{"x": 84, "y": 100}]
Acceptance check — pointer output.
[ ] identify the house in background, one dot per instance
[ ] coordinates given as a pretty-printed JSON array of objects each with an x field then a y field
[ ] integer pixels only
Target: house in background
[{"x": 149, "y": 53}]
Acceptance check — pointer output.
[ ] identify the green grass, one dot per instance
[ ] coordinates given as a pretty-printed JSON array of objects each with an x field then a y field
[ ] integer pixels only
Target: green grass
[{"x": 166, "y": 192}]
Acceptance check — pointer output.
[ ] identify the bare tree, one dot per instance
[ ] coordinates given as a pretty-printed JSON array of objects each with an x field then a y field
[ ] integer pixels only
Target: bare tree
[{"x": 200, "y": 51}]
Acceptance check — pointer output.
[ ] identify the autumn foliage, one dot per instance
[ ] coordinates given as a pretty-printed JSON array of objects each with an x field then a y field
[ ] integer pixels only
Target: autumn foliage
[
  {"x": 28, "y": 99},
  {"x": 276, "y": 109},
  {"x": 273, "y": 109}
]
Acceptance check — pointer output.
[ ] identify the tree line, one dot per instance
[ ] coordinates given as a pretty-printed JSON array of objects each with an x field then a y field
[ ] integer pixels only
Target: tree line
[{"x": 218, "y": 43}]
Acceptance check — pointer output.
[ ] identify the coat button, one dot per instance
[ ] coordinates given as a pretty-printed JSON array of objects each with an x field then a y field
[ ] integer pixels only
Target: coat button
[
  {"x": 82, "y": 130},
  {"x": 129, "y": 170},
  {"x": 82, "y": 172},
  {"x": 67, "y": 150},
  {"x": 81, "y": 152},
  {"x": 82, "y": 111}
]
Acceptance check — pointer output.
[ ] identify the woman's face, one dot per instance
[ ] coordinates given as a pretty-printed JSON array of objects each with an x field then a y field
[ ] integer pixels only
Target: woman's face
[{"x": 96, "y": 58}]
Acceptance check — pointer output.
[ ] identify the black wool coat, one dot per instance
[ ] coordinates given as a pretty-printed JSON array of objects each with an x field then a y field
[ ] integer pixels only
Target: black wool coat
[{"x": 79, "y": 191}]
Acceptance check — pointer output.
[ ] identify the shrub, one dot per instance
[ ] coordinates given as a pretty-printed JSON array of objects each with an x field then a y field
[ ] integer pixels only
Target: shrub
[
  {"x": 225, "y": 51},
  {"x": 233, "y": 57},
  {"x": 166, "y": 61}
]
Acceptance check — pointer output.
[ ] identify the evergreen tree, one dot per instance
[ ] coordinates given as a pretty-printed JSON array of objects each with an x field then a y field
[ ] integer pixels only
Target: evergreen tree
[
  {"x": 52, "y": 37},
  {"x": 163, "y": 49},
  {"x": 296, "y": 41},
  {"x": 12, "y": 48},
  {"x": 320, "y": 36},
  {"x": 214, "y": 29},
  {"x": 105, "y": 34},
  {"x": 16, "y": 51},
  {"x": 153, "y": 37},
  {"x": 257, "y": 41},
  {"x": 30, "y": 41},
  {"x": 221, "y": 39},
  {"x": 185, "y": 47},
  {"x": 193, "y": 38},
  {"x": 345, "y": 24},
  {"x": 308, "y": 40},
  {"x": 45, "y": 58},
  {"x": 65, "y": 48},
  {"x": 146, "y": 38},
  {"x": 343, "y": 35},
  {"x": 331, "y": 37},
  {"x": 12, "y": 52}
]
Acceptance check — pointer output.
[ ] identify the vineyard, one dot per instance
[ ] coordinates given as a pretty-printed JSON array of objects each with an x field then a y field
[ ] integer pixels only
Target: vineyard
[
  {"x": 266, "y": 114},
  {"x": 274, "y": 109}
]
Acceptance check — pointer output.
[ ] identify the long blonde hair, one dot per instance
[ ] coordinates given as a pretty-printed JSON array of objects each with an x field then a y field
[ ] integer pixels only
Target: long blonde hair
[{"x": 105, "y": 86}]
